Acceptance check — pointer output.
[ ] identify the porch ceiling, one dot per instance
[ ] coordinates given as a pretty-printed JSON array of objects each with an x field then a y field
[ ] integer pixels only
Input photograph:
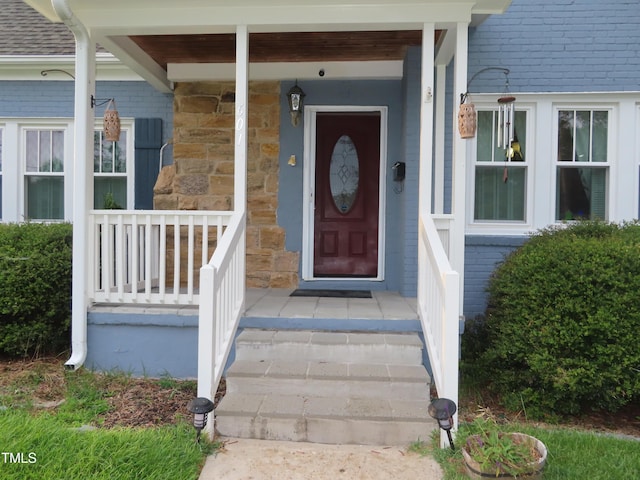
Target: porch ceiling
[{"x": 281, "y": 47}]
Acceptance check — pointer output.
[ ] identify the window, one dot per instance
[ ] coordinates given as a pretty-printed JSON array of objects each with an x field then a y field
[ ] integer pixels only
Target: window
[
  {"x": 110, "y": 171},
  {"x": 44, "y": 174},
  {"x": 581, "y": 164},
  {"x": 500, "y": 187}
]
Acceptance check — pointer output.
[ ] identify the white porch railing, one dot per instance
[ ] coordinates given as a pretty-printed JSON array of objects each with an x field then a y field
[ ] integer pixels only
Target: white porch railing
[
  {"x": 150, "y": 256},
  {"x": 222, "y": 287},
  {"x": 438, "y": 306}
]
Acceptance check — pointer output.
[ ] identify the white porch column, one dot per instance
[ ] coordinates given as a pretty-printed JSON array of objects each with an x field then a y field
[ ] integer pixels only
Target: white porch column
[
  {"x": 439, "y": 138},
  {"x": 242, "y": 118},
  {"x": 459, "y": 171},
  {"x": 426, "y": 121}
]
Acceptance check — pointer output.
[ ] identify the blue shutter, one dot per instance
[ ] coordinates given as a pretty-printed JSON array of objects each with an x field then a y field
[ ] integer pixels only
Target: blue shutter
[{"x": 148, "y": 132}]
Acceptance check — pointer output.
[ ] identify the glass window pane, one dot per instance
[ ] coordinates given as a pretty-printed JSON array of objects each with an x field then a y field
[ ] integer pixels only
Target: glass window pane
[
  {"x": 57, "y": 140},
  {"x": 44, "y": 152},
  {"x": 583, "y": 136},
  {"x": 32, "y": 151},
  {"x": 116, "y": 186},
  {"x": 520, "y": 132},
  {"x": 45, "y": 198},
  {"x": 485, "y": 135},
  {"x": 97, "y": 149},
  {"x": 120, "y": 154},
  {"x": 0, "y": 151},
  {"x": 496, "y": 199},
  {"x": 581, "y": 193},
  {"x": 107, "y": 157},
  {"x": 565, "y": 135},
  {"x": 600, "y": 136}
]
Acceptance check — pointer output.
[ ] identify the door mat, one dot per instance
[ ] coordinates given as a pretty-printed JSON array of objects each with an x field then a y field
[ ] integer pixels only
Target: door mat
[{"x": 303, "y": 292}]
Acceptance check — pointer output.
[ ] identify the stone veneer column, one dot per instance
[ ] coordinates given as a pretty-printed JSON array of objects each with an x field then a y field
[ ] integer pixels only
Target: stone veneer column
[{"x": 202, "y": 175}]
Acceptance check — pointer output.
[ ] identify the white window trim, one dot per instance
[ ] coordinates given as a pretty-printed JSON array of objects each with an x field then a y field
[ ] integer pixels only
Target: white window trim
[
  {"x": 609, "y": 164},
  {"x": 493, "y": 227},
  {"x": 126, "y": 125},
  {"x": 66, "y": 174},
  {"x": 624, "y": 168},
  {"x": 14, "y": 163}
]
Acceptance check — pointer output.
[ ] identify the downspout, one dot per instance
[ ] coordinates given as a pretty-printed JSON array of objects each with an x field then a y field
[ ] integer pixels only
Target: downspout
[{"x": 82, "y": 177}]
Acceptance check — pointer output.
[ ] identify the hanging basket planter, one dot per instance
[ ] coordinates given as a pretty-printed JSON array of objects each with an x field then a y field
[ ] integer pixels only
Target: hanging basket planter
[
  {"x": 467, "y": 120},
  {"x": 111, "y": 122}
]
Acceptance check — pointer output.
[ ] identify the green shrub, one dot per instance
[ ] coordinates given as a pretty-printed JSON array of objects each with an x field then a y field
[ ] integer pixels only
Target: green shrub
[
  {"x": 35, "y": 288},
  {"x": 562, "y": 330}
]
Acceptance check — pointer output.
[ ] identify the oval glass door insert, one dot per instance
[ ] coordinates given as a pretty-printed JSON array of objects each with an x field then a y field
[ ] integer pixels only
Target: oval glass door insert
[{"x": 344, "y": 174}]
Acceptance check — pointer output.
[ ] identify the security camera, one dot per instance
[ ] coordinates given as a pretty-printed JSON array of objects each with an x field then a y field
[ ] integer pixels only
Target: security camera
[{"x": 321, "y": 72}]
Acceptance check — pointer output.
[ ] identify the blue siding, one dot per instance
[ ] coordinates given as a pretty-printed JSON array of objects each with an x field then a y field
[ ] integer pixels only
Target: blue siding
[
  {"x": 559, "y": 46},
  {"x": 482, "y": 255},
  {"x": 48, "y": 98},
  {"x": 408, "y": 213}
]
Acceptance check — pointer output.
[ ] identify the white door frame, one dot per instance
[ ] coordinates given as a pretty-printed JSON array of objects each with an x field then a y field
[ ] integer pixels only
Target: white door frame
[{"x": 308, "y": 190}]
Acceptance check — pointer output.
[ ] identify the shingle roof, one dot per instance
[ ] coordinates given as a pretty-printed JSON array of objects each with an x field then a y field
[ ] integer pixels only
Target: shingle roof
[{"x": 23, "y": 31}]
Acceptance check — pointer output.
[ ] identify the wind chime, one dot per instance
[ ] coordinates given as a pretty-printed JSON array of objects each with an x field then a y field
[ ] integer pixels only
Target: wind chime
[{"x": 506, "y": 130}]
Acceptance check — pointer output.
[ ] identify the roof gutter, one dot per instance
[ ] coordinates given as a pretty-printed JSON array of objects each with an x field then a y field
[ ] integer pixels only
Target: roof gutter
[{"x": 82, "y": 181}]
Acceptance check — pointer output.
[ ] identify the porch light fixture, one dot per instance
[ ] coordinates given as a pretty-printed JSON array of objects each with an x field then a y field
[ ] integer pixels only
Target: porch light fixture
[
  {"x": 295, "y": 97},
  {"x": 200, "y": 407},
  {"x": 442, "y": 409},
  {"x": 111, "y": 118},
  {"x": 467, "y": 120}
]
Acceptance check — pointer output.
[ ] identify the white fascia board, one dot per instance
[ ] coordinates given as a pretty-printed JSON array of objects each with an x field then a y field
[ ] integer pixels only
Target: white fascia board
[
  {"x": 31, "y": 67},
  {"x": 163, "y": 16},
  {"x": 124, "y": 17},
  {"x": 191, "y": 72}
]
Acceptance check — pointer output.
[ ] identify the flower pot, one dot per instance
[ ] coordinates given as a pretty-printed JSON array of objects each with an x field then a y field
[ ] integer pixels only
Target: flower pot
[{"x": 529, "y": 471}]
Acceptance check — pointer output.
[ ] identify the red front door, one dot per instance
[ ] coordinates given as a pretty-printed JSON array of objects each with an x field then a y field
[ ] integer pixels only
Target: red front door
[{"x": 347, "y": 194}]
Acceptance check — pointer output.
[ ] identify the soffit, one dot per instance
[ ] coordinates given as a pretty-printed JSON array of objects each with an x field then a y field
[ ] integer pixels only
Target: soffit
[{"x": 280, "y": 47}]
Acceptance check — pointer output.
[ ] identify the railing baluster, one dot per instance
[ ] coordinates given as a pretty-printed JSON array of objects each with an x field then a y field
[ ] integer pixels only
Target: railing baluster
[
  {"x": 106, "y": 256},
  {"x": 147, "y": 259},
  {"x": 162, "y": 282},
  {"x": 191, "y": 253},
  {"x": 119, "y": 251},
  {"x": 205, "y": 241},
  {"x": 134, "y": 257},
  {"x": 176, "y": 258}
]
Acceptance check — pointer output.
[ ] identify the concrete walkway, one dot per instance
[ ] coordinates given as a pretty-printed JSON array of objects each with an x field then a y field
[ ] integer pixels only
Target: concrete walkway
[{"x": 243, "y": 459}]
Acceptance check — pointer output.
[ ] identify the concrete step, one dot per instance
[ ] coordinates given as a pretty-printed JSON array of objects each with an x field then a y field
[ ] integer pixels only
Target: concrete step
[
  {"x": 337, "y": 420},
  {"x": 328, "y": 379},
  {"x": 325, "y": 387},
  {"x": 345, "y": 347}
]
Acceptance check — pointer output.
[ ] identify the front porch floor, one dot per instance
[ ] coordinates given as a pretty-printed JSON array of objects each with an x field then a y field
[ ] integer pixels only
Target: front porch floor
[{"x": 276, "y": 309}]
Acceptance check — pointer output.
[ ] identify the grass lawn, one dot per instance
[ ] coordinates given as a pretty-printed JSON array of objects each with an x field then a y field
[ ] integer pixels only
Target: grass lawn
[
  {"x": 45, "y": 442},
  {"x": 572, "y": 454}
]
